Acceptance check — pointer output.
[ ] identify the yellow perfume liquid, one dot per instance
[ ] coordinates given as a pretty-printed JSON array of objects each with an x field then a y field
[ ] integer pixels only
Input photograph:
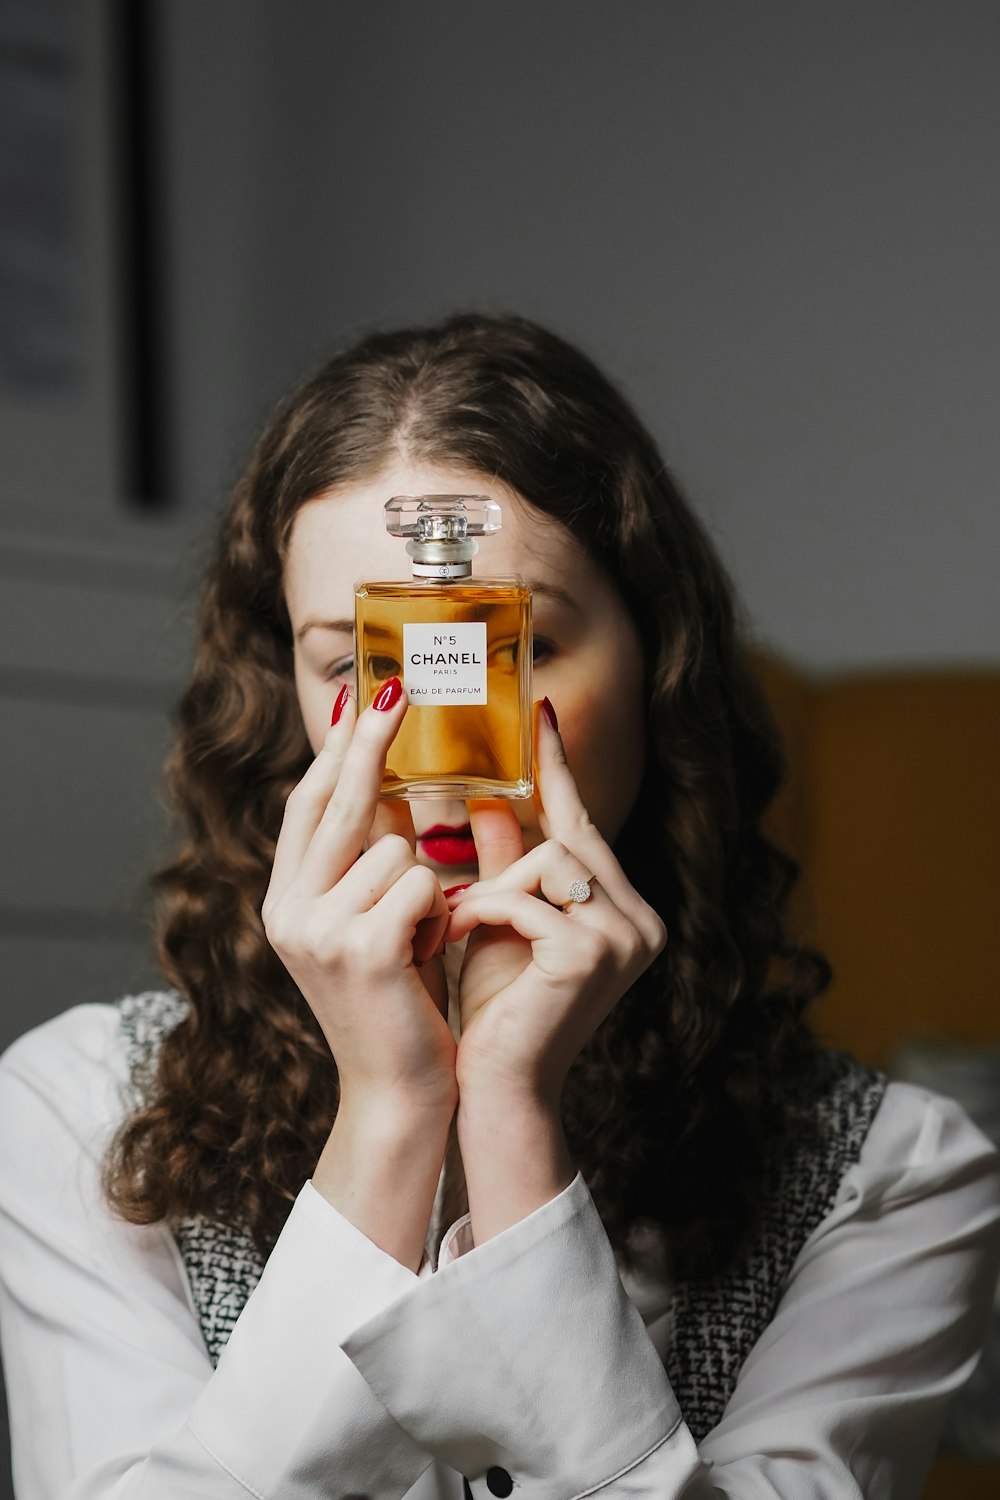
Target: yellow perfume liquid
[{"x": 462, "y": 649}]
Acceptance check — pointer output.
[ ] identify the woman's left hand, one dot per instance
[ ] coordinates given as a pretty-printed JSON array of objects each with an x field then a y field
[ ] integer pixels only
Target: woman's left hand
[{"x": 541, "y": 972}]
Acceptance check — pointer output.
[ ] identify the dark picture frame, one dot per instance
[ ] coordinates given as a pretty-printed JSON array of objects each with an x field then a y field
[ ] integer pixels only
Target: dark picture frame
[{"x": 82, "y": 284}]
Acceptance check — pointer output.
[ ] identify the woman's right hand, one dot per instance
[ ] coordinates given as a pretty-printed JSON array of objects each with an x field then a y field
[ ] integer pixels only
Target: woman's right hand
[{"x": 356, "y": 920}]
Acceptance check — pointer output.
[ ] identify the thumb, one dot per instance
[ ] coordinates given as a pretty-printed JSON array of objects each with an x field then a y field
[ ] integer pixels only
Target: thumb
[{"x": 496, "y": 834}]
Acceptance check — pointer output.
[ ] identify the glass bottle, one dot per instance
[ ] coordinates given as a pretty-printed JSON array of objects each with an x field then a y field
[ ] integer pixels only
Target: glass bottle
[{"x": 462, "y": 648}]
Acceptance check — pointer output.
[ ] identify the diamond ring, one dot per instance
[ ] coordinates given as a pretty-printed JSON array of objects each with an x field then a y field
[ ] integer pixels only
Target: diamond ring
[{"x": 580, "y": 890}]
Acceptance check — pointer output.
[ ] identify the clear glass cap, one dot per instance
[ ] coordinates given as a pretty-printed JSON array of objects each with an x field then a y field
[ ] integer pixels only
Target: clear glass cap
[{"x": 441, "y": 518}]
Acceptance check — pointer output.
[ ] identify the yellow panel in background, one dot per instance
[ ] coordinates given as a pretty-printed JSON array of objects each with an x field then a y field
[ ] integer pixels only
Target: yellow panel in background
[
  {"x": 893, "y": 808},
  {"x": 893, "y": 805}
]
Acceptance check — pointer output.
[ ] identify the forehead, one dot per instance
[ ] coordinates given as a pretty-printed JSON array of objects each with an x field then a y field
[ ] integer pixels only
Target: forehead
[{"x": 340, "y": 537}]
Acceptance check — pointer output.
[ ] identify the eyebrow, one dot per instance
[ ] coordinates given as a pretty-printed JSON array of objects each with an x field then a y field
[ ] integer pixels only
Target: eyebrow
[{"x": 346, "y": 627}]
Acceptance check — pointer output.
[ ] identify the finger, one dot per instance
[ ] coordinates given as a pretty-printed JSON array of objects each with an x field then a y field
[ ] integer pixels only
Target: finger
[
  {"x": 547, "y": 870},
  {"x": 346, "y": 822},
  {"x": 428, "y": 939},
  {"x": 533, "y": 919},
  {"x": 370, "y": 877},
  {"x": 537, "y": 715},
  {"x": 496, "y": 834},
  {"x": 393, "y": 815},
  {"x": 414, "y": 901},
  {"x": 567, "y": 819},
  {"x": 308, "y": 801}
]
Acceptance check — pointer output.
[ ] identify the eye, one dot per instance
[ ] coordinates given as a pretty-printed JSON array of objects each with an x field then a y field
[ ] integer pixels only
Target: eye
[
  {"x": 384, "y": 667},
  {"x": 343, "y": 668},
  {"x": 507, "y": 652}
]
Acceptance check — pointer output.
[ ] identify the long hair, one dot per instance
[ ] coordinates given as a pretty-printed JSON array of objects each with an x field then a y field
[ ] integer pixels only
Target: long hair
[{"x": 669, "y": 1108}]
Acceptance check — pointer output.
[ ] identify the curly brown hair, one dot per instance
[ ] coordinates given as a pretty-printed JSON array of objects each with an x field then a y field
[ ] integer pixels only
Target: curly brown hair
[{"x": 669, "y": 1109}]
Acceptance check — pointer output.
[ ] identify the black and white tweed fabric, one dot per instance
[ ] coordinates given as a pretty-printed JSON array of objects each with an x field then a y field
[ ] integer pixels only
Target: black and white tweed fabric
[
  {"x": 223, "y": 1264},
  {"x": 715, "y": 1323}
]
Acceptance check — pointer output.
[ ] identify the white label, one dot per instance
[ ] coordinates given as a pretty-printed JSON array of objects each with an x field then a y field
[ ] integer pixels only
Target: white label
[{"x": 445, "y": 663}]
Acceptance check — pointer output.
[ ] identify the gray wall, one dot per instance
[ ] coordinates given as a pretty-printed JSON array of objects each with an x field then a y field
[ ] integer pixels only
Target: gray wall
[{"x": 775, "y": 224}]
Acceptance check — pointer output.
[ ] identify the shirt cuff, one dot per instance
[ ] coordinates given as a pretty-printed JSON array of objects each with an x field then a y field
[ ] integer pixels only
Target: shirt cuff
[
  {"x": 285, "y": 1408},
  {"x": 525, "y": 1354}
]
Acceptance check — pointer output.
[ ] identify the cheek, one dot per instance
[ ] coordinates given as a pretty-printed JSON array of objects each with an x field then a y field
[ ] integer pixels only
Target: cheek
[
  {"x": 316, "y": 702},
  {"x": 604, "y": 735}
]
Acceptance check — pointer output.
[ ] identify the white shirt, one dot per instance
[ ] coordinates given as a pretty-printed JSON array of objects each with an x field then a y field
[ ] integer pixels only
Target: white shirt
[{"x": 526, "y": 1362}]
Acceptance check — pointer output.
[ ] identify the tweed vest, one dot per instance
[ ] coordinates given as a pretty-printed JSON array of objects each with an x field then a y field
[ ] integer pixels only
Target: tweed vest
[{"x": 714, "y": 1323}]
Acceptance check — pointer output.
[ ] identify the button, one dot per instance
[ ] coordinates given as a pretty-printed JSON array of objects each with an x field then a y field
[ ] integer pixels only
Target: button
[
  {"x": 467, "y": 1489},
  {"x": 499, "y": 1482}
]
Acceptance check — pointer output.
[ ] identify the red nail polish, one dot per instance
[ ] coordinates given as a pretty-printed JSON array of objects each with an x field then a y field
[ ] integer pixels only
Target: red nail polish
[
  {"x": 339, "y": 706},
  {"x": 550, "y": 714},
  {"x": 454, "y": 889},
  {"x": 390, "y": 694}
]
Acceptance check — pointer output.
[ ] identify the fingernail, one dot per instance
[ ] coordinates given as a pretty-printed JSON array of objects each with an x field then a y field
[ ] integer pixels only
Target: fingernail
[
  {"x": 550, "y": 714},
  {"x": 339, "y": 706},
  {"x": 454, "y": 889},
  {"x": 390, "y": 694}
]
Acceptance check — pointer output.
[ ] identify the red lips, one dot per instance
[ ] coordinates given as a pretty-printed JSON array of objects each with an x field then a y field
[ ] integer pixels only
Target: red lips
[{"x": 447, "y": 845}]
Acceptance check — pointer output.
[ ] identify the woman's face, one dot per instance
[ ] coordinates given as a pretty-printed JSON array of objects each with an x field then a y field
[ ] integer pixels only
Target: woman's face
[{"x": 588, "y": 658}]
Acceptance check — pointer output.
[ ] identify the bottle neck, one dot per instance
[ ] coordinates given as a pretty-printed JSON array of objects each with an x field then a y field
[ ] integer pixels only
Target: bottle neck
[
  {"x": 442, "y": 570},
  {"x": 432, "y": 557}
]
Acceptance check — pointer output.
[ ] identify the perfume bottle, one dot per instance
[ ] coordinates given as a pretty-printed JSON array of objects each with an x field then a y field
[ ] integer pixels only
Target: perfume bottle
[{"x": 462, "y": 648}]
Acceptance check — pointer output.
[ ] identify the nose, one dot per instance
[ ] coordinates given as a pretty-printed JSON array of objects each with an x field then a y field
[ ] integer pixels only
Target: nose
[{"x": 466, "y": 740}]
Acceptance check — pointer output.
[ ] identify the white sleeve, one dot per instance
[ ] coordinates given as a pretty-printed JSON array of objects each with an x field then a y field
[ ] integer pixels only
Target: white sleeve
[
  {"x": 547, "y": 1376},
  {"x": 111, "y": 1392}
]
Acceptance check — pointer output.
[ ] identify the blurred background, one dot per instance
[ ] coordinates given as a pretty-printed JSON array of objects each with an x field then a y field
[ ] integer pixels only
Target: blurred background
[{"x": 777, "y": 226}]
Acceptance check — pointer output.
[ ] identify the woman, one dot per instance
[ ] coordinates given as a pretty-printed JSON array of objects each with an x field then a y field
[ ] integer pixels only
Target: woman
[{"x": 426, "y": 1176}]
